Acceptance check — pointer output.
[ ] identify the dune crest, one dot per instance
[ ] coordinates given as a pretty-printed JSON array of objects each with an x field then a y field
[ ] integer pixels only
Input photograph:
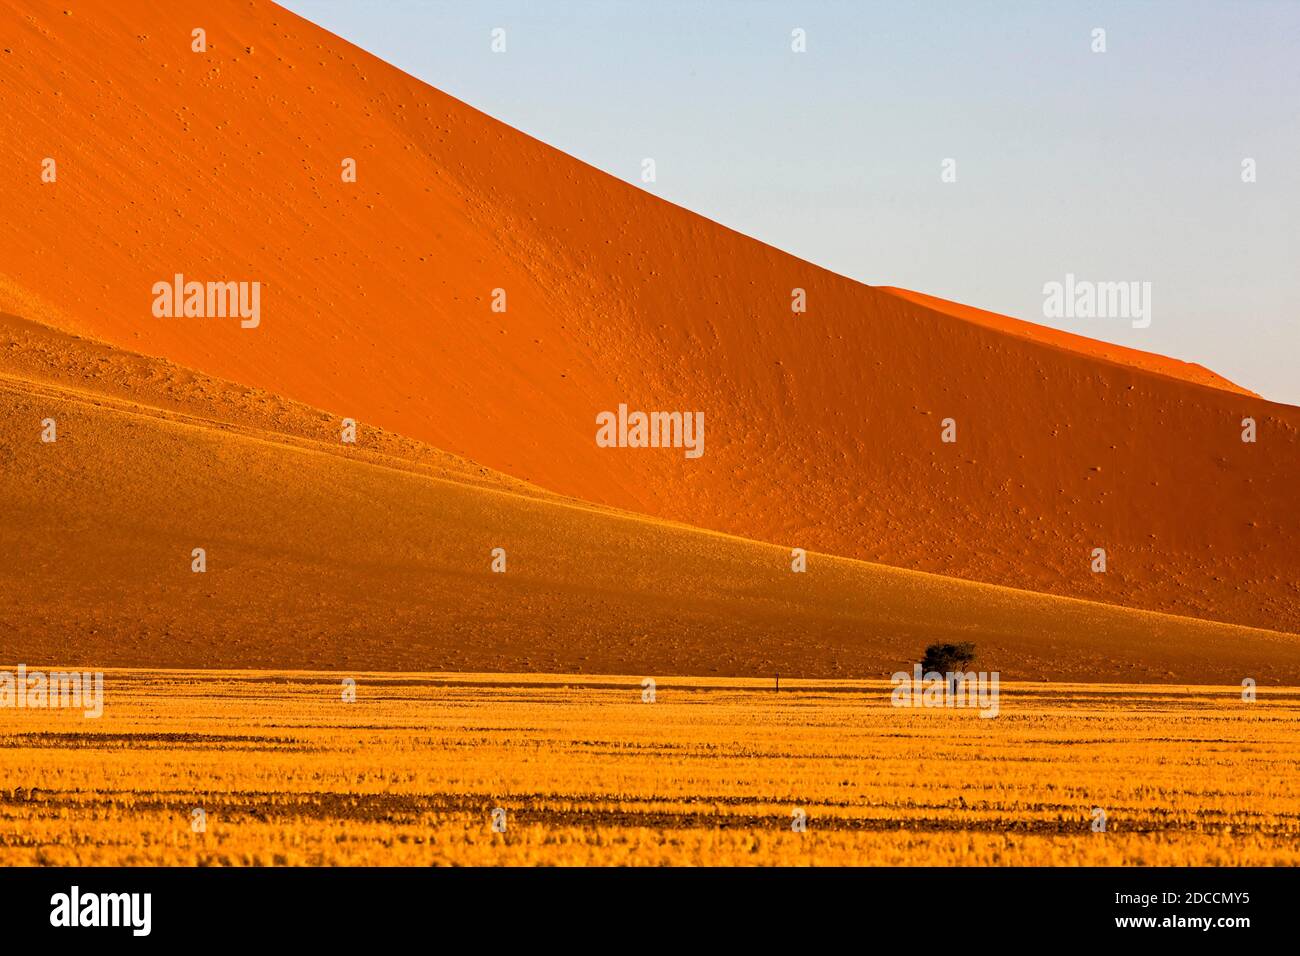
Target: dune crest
[{"x": 1117, "y": 354}]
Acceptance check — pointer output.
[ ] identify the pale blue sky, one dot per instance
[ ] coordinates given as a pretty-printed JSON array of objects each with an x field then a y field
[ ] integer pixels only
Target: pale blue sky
[{"x": 1123, "y": 165}]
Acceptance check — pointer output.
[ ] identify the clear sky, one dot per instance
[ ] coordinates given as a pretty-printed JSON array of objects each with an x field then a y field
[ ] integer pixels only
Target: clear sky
[{"x": 1117, "y": 166}]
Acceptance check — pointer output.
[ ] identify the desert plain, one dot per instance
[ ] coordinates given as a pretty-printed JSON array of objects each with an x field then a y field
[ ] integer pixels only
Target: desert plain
[{"x": 273, "y": 768}]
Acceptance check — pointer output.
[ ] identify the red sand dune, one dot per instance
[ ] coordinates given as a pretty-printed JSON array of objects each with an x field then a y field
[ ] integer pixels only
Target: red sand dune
[
  {"x": 822, "y": 430},
  {"x": 326, "y": 556}
]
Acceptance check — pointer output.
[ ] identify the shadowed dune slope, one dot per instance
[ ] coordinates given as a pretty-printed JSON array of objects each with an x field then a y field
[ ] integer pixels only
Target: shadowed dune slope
[
  {"x": 377, "y": 557},
  {"x": 822, "y": 429}
]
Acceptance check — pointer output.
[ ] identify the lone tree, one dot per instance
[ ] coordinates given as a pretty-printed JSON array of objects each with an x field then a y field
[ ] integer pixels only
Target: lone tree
[{"x": 948, "y": 659}]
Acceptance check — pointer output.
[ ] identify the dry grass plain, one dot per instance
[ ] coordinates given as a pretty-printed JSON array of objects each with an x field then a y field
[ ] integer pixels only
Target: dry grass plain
[{"x": 710, "y": 773}]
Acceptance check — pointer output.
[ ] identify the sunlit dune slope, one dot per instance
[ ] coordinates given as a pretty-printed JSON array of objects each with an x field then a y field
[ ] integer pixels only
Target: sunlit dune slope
[
  {"x": 42, "y": 360},
  {"x": 822, "y": 429},
  {"x": 378, "y": 557}
]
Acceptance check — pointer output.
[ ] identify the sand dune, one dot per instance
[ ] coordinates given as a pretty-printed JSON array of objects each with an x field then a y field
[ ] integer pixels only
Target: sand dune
[
  {"x": 823, "y": 428},
  {"x": 324, "y": 556}
]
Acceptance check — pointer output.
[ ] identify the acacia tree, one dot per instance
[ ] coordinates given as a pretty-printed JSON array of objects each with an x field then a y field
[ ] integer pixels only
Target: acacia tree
[{"x": 948, "y": 659}]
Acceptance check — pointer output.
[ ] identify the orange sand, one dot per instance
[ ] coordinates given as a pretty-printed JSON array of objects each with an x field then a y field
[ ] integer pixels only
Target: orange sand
[
  {"x": 325, "y": 556},
  {"x": 822, "y": 429}
]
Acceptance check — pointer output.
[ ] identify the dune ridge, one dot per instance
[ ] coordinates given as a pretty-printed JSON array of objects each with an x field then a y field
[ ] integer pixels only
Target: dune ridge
[{"x": 1115, "y": 354}]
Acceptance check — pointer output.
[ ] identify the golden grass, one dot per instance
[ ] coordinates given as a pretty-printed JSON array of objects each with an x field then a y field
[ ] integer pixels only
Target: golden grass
[{"x": 710, "y": 773}]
